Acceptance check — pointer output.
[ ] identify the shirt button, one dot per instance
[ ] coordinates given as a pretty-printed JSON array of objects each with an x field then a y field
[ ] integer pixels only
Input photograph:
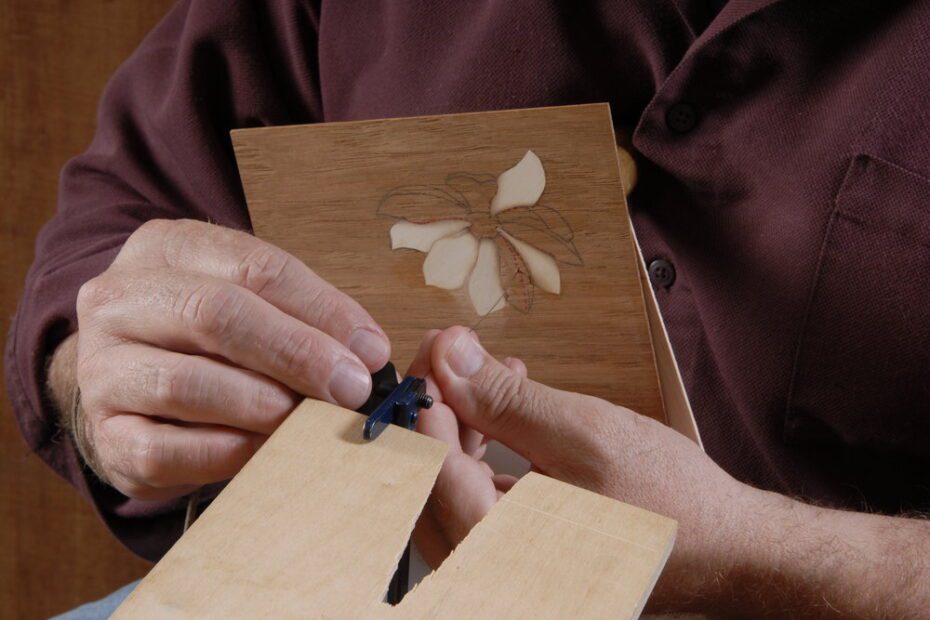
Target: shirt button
[
  {"x": 661, "y": 273},
  {"x": 681, "y": 117}
]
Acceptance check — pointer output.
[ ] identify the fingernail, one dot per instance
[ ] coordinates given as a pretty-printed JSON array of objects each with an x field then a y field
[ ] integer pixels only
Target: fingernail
[
  {"x": 465, "y": 356},
  {"x": 350, "y": 384},
  {"x": 372, "y": 348}
]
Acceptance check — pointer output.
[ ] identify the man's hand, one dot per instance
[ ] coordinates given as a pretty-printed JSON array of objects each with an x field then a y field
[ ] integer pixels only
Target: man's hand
[
  {"x": 579, "y": 439},
  {"x": 467, "y": 487},
  {"x": 739, "y": 550},
  {"x": 196, "y": 344}
]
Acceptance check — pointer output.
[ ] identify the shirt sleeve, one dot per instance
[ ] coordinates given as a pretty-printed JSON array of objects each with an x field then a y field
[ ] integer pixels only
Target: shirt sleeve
[{"x": 161, "y": 150}]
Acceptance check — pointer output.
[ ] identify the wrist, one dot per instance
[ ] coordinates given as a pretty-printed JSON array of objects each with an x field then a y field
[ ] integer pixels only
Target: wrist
[{"x": 715, "y": 554}]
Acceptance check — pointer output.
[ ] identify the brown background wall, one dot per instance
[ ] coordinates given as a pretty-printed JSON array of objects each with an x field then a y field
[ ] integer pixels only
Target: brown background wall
[{"x": 55, "y": 57}]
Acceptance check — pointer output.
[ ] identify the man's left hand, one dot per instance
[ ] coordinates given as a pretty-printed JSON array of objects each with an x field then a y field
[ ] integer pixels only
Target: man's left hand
[
  {"x": 739, "y": 550},
  {"x": 571, "y": 437}
]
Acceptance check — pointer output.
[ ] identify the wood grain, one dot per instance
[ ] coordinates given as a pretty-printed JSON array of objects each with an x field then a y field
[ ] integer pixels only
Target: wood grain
[
  {"x": 549, "y": 550},
  {"x": 315, "y": 191},
  {"x": 314, "y": 524},
  {"x": 54, "y": 60}
]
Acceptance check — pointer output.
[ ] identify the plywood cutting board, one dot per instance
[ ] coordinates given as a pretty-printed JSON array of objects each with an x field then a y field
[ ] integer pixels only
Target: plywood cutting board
[
  {"x": 314, "y": 524},
  {"x": 316, "y": 190}
]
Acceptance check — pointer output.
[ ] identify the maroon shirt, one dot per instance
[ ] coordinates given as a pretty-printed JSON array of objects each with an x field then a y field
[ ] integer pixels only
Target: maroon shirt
[{"x": 784, "y": 151}]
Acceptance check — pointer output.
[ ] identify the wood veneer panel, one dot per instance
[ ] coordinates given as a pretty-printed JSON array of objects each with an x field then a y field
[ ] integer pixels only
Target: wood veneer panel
[{"x": 319, "y": 192}]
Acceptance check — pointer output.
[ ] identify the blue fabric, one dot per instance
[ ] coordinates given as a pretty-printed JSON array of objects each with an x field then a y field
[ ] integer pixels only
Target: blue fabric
[{"x": 99, "y": 610}]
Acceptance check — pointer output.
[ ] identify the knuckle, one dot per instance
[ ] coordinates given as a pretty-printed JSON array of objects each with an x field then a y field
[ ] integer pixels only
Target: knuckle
[
  {"x": 327, "y": 302},
  {"x": 505, "y": 398},
  {"x": 95, "y": 293},
  {"x": 149, "y": 460},
  {"x": 272, "y": 402},
  {"x": 176, "y": 385},
  {"x": 333, "y": 310},
  {"x": 210, "y": 309},
  {"x": 93, "y": 393},
  {"x": 208, "y": 457},
  {"x": 300, "y": 355},
  {"x": 150, "y": 231},
  {"x": 262, "y": 267},
  {"x": 175, "y": 237},
  {"x": 163, "y": 238}
]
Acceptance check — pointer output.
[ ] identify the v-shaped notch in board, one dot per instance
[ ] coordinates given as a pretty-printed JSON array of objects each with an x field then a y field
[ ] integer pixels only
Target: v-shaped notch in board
[{"x": 314, "y": 526}]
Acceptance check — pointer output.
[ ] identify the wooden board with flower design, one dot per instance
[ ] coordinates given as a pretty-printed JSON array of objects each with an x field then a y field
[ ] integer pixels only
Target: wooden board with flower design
[{"x": 512, "y": 222}]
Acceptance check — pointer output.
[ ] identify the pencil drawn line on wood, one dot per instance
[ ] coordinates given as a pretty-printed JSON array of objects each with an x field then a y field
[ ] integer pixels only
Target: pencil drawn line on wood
[{"x": 487, "y": 232}]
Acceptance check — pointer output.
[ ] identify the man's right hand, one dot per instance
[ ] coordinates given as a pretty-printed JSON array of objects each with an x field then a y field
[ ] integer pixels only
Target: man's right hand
[{"x": 196, "y": 344}]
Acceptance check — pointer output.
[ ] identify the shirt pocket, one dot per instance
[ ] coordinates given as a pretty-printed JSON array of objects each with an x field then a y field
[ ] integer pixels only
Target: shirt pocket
[{"x": 862, "y": 370}]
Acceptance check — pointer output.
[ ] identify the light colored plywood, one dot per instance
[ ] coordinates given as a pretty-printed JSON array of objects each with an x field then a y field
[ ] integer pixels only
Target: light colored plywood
[
  {"x": 314, "y": 525},
  {"x": 327, "y": 194},
  {"x": 678, "y": 411},
  {"x": 549, "y": 550}
]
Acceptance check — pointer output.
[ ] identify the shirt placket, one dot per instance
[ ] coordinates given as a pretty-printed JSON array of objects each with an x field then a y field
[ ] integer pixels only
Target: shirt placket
[{"x": 676, "y": 134}]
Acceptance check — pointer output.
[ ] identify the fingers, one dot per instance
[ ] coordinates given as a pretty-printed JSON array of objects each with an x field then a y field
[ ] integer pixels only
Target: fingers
[
  {"x": 504, "y": 482},
  {"x": 193, "y": 314},
  {"x": 420, "y": 366},
  {"x": 463, "y": 492},
  {"x": 142, "y": 379},
  {"x": 439, "y": 422},
  {"x": 516, "y": 364},
  {"x": 548, "y": 427},
  {"x": 218, "y": 332},
  {"x": 462, "y": 496},
  {"x": 151, "y": 460},
  {"x": 470, "y": 441},
  {"x": 429, "y": 538},
  {"x": 263, "y": 269},
  {"x": 473, "y": 442}
]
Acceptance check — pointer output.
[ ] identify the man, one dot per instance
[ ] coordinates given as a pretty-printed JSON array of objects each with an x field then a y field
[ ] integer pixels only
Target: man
[{"x": 781, "y": 206}]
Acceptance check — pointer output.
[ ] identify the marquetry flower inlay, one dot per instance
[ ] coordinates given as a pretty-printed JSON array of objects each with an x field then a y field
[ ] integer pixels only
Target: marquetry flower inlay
[{"x": 488, "y": 234}]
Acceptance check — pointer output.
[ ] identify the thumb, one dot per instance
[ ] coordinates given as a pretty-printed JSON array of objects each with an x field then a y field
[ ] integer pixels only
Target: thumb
[{"x": 550, "y": 428}]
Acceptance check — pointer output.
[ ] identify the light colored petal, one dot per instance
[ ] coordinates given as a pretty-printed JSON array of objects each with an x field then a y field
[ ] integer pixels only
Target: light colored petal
[
  {"x": 543, "y": 268},
  {"x": 484, "y": 284},
  {"x": 450, "y": 260},
  {"x": 421, "y": 237},
  {"x": 521, "y": 186}
]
